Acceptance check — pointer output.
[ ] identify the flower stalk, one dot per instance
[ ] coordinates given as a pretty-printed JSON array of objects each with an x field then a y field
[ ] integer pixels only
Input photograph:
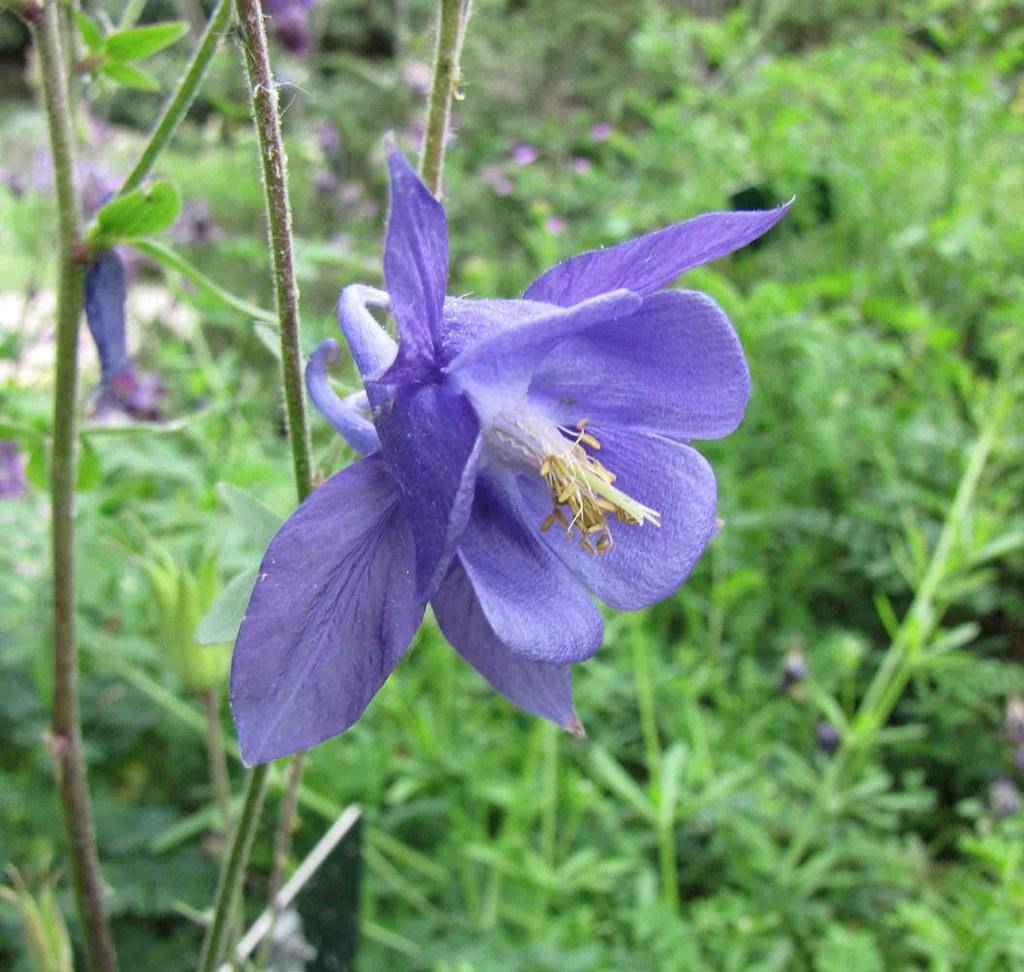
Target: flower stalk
[
  {"x": 274, "y": 161},
  {"x": 184, "y": 94},
  {"x": 66, "y": 741},
  {"x": 452, "y": 17}
]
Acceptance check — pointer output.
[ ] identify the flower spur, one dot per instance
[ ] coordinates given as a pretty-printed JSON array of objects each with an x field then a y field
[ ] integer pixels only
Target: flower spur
[{"x": 480, "y": 431}]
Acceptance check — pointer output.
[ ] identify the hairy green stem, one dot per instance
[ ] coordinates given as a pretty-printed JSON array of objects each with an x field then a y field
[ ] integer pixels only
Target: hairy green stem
[
  {"x": 183, "y": 95},
  {"x": 279, "y": 226},
  {"x": 72, "y": 783},
  {"x": 452, "y": 17}
]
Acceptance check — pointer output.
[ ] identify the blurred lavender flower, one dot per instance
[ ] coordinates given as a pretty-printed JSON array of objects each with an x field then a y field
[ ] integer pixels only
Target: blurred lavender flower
[
  {"x": 123, "y": 389},
  {"x": 827, "y": 737},
  {"x": 328, "y": 138},
  {"x": 1004, "y": 797},
  {"x": 417, "y": 76},
  {"x": 495, "y": 177},
  {"x": 580, "y": 164},
  {"x": 523, "y": 154},
  {"x": 1018, "y": 757},
  {"x": 481, "y": 430},
  {"x": 195, "y": 225},
  {"x": 554, "y": 225},
  {"x": 291, "y": 23},
  {"x": 12, "y": 470},
  {"x": 602, "y": 131}
]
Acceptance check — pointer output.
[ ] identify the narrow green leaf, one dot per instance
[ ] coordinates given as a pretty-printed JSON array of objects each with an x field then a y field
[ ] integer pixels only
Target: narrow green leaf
[
  {"x": 259, "y": 520},
  {"x": 609, "y": 771},
  {"x": 89, "y": 473},
  {"x": 174, "y": 261},
  {"x": 150, "y": 209},
  {"x": 220, "y": 624},
  {"x": 92, "y": 35},
  {"x": 130, "y": 77},
  {"x": 137, "y": 43}
]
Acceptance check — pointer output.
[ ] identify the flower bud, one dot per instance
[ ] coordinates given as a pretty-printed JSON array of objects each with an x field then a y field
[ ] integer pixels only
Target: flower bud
[
  {"x": 1015, "y": 719},
  {"x": 794, "y": 670},
  {"x": 1004, "y": 797},
  {"x": 827, "y": 737}
]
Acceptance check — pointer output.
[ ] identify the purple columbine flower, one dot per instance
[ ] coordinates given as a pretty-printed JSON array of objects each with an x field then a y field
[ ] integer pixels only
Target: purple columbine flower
[
  {"x": 520, "y": 456},
  {"x": 123, "y": 388}
]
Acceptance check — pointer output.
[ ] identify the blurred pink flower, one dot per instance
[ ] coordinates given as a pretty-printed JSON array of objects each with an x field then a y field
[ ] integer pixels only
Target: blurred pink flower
[
  {"x": 554, "y": 225},
  {"x": 579, "y": 164},
  {"x": 602, "y": 131},
  {"x": 523, "y": 154}
]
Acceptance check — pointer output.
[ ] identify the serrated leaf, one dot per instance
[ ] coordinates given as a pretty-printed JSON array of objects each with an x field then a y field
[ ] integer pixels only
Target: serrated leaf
[
  {"x": 137, "y": 43},
  {"x": 92, "y": 35},
  {"x": 149, "y": 209},
  {"x": 130, "y": 77},
  {"x": 220, "y": 624}
]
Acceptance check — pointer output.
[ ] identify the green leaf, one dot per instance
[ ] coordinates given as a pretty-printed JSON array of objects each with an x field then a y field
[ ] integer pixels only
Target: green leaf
[
  {"x": 220, "y": 624},
  {"x": 256, "y": 518},
  {"x": 92, "y": 35},
  {"x": 174, "y": 261},
  {"x": 137, "y": 43},
  {"x": 130, "y": 77},
  {"x": 149, "y": 209},
  {"x": 89, "y": 473}
]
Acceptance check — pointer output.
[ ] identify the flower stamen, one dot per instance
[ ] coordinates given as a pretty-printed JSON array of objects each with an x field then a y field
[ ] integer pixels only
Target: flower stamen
[{"x": 581, "y": 484}]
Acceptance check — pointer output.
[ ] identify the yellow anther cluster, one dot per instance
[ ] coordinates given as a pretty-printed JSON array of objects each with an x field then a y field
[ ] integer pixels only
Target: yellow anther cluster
[{"x": 583, "y": 486}]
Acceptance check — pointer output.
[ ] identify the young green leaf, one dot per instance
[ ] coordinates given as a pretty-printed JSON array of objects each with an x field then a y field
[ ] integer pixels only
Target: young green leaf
[
  {"x": 137, "y": 43},
  {"x": 130, "y": 77},
  {"x": 92, "y": 35},
  {"x": 149, "y": 209}
]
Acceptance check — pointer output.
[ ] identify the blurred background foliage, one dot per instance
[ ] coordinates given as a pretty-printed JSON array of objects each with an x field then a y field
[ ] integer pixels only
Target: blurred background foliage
[{"x": 702, "y": 823}]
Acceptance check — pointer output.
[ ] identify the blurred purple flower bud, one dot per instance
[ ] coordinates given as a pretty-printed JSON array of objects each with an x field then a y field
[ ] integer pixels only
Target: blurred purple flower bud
[
  {"x": 827, "y": 737},
  {"x": 580, "y": 164},
  {"x": 1004, "y": 797},
  {"x": 602, "y": 131},
  {"x": 495, "y": 177},
  {"x": 554, "y": 225},
  {"x": 136, "y": 394},
  {"x": 195, "y": 225},
  {"x": 1015, "y": 719},
  {"x": 417, "y": 77},
  {"x": 329, "y": 139},
  {"x": 14, "y": 181},
  {"x": 523, "y": 154},
  {"x": 794, "y": 670},
  {"x": 325, "y": 182},
  {"x": 291, "y": 26},
  {"x": 12, "y": 470}
]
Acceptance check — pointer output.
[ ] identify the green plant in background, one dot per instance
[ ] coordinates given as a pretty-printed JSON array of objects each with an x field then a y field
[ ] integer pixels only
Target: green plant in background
[
  {"x": 47, "y": 943},
  {"x": 704, "y": 823}
]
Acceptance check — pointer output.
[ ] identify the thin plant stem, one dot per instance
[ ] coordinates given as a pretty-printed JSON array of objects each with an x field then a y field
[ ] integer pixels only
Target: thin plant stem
[
  {"x": 549, "y": 734},
  {"x": 72, "y": 784},
  {"x": 232, "y": 873},
  {"x": 909, "y": 643},
  {"x": 452, "y": 17},
  {"x": 655, "y": 766},
  {"x": 279, "y": 226},
  {"x": 183, "y": 95},
  {"x": 282, "y": 846},
  {"x": 217, "y": 758}
]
